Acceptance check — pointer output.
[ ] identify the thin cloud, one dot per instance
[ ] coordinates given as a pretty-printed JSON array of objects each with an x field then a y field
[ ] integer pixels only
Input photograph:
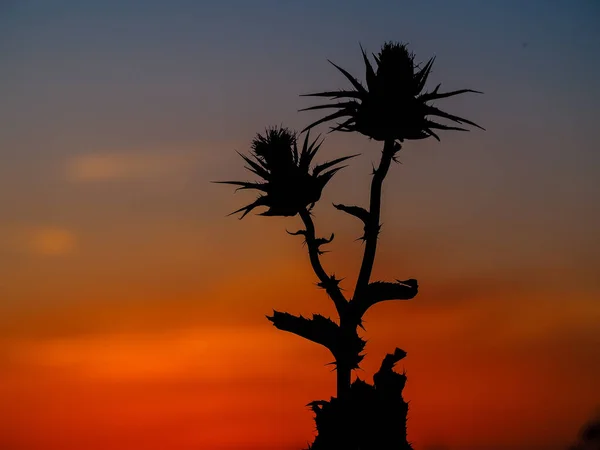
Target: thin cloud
[
  {"x": 126, "y": 166},
  {"x": 218, "y": 353},
  {"x": 39, "y": 240},
  {"x": 51, "y": 241}
]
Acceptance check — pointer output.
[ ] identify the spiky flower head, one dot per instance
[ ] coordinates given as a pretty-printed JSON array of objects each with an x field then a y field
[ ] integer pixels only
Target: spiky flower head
[
  {"x": 393, "y": 105},
  {"x": 288, "y": 183}
]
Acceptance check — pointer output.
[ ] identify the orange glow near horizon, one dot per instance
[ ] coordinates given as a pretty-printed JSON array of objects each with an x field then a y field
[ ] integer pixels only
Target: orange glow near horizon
[{"x": 241, "y": 386}]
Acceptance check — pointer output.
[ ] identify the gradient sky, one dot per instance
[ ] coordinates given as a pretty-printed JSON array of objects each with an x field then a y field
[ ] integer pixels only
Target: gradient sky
[{"x": 132, "y": 310}]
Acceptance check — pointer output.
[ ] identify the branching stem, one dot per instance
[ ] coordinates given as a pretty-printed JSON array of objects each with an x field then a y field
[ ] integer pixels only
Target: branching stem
[
  {"x": 390, "y": 148},
  {"x": 329, "y": 283}
]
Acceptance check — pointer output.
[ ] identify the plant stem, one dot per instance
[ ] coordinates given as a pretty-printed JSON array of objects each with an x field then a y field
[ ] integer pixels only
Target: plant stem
[
  {"x": 372, "y": 229},
  {"x": 343, "y": 380},
  {"x": 328, "y": 283}
]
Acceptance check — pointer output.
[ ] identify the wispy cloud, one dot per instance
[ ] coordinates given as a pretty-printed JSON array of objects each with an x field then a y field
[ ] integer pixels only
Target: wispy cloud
[
  {"x": 215, "y": 353},
  {"x": 51, "y": 241},
  {"x": 126, "y": 166},
  {"x": 39, "y": 240}
]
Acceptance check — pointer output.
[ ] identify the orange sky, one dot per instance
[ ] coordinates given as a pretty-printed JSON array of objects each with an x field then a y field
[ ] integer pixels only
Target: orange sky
[
  {"x": 497, "y": 358},
  {"x": 132, "y": 310}
]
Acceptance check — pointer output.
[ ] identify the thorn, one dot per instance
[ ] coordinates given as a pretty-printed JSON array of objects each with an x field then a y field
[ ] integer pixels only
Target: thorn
[{"x": 296, "y": 233}]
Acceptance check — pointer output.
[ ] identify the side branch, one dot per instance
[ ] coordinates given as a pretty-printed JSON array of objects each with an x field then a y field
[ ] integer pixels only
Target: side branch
[
  {"x": 358, "y": 212},
  {"x": 319, "y": 329},
  {"x": 355, "y": 211},
  {"x": 390, "y": 149},
  {"x": 380, "y": 291},
  {"x": 345, "y": 348},
  {"x": 329, "y": 283}
]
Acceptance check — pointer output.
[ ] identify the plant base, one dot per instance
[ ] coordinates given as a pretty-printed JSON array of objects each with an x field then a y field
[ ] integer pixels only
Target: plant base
[{"x": 369, "y": 417}]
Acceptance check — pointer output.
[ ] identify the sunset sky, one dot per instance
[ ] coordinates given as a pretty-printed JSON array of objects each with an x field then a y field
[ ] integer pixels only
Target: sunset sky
[{"x": 132, "y": 310}]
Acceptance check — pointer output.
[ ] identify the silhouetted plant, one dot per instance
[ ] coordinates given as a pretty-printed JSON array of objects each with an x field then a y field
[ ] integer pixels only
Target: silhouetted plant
[
  {"x": 288, "y": 186},
  {"x": 589, "y": 435},
  {"x": 392, "y": 108}
]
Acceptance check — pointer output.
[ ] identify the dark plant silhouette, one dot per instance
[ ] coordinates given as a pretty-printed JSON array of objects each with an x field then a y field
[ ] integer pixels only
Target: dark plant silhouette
[
  {"x": 589, "y": 435},
  {"x": 392, "y": 108},
  {"x": 288, "y": 187}
]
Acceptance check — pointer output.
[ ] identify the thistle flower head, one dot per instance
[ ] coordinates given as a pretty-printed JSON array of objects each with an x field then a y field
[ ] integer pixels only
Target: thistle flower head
[
  {"x": 288, "y": 183},
  {"x": 393, "y": 105}
]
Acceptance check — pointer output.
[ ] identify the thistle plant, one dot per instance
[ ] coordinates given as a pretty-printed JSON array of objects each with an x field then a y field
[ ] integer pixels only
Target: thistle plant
[
  {"x": 288, "y": 185},
  {"x": 393, "y": 108}
]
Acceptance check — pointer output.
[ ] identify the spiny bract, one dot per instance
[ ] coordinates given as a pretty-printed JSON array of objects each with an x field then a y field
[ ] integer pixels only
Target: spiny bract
[
  {"x": 393, "y": 106},
  {"x": 288, "y": 184}
]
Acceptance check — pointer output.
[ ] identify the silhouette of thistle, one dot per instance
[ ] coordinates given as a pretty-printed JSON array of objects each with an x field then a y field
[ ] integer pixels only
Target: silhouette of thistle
[{"x": 393, "y": 107}]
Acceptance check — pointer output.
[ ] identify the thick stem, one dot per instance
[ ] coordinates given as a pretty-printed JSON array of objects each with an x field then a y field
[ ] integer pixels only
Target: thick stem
[
  {"x": 327, "y": 282},
  {"x": 372, "y": 228},
  {"x": 343, "y": 380}
]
